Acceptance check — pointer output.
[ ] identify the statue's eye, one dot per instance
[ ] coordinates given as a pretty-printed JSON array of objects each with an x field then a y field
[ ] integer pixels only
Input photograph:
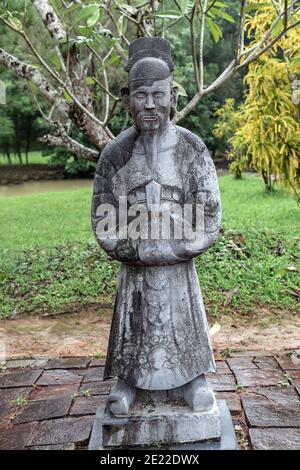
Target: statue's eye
[
  {"x": 158, "y": 94},
  {"x": 140, "y": 96}
]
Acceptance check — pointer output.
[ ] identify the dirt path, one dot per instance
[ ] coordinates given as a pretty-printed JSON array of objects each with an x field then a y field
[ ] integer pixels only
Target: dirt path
[{"x": 87, "y": 332}]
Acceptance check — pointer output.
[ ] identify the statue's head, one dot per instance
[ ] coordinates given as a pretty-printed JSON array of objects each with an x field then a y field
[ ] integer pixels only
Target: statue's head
[{"x": 150, "y": 95}]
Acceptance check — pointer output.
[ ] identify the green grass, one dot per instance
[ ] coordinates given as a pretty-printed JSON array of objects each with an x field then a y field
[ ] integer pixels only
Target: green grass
[
  {"x": 33, "y": 157},
  {"x": 45, "y": 219},
  {"x": 50, "y": 259},
  {"x": 247, "y": 207}
]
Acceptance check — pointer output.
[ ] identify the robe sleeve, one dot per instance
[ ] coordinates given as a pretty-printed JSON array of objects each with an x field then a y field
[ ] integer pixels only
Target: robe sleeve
[
  {"x": 105, "y": 213},
  {"x": 204, "y": 191}
]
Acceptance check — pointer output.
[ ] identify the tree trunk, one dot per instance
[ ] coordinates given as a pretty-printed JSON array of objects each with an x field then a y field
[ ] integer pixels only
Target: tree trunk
[
  {"x": 267, "y": 180},
  {"x": 238, "y": 174},
  {"x": 15, "y": 120},
  {"x": 20, "y": 156},
  {"x": 7, "y": 153},
  {"x": 28, "y": 137}
]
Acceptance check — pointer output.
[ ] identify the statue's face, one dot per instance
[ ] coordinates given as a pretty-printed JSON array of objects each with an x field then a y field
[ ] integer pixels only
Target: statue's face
[{"x": 150, "y": 105}]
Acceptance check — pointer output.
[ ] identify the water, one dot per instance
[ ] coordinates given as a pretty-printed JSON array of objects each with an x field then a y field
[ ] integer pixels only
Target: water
[
  {"x": 33, "y": 187},
  {"x": 44, "y": 186}
]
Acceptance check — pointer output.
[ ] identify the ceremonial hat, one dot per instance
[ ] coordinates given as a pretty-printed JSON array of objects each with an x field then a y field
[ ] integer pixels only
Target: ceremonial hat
[{"x": 145, "y": 47}]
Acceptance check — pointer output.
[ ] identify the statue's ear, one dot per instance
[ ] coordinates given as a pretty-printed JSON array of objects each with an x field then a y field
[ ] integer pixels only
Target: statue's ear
[
  {"x": 125, "y": 97},
  {"x": 174, "y": 97}
]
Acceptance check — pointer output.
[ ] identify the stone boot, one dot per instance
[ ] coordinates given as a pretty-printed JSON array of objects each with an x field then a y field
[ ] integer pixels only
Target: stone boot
[
  {"x": 198, "y": 395},
  {"x": 120, "y": 399}
]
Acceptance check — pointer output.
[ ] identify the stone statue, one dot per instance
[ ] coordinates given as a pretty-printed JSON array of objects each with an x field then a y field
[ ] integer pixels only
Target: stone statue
[{"x": 159, "y": 338}]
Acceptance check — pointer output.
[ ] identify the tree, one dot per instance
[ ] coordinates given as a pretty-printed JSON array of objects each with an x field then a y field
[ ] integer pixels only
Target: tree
[
  {"x": 265, "y": 129},
  {"x": 88, "y": 39},
  {"x": 7, "y": 132},
  {"x": 230, "y": 118},
  {"x": 21, "y": 114}
]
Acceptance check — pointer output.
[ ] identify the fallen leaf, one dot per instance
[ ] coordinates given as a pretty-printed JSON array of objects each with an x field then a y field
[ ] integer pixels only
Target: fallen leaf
[
  {"x": 291, "y": 268},
  {"x": 214, "y": 329}
]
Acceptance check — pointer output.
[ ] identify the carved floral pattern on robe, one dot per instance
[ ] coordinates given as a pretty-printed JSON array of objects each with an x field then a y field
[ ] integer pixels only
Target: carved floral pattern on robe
[{"x": 159, "y": 336}]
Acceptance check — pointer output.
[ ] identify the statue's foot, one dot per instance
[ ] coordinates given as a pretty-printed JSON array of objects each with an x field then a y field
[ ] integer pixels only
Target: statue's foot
[
  {"x": 120, "y": 399},
  {"x": 198, "y": 395}
]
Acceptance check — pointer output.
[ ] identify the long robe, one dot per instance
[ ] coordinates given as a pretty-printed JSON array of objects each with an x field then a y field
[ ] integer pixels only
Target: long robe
[{"x": 159, "y": 337}]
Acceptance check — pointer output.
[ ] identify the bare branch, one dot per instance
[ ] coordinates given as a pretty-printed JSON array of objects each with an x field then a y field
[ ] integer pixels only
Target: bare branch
[
  {"x": 76, "y": 85},
  {"x": 80, "y": 110},
  {"x": 61, "y": 59},
  {"x": 179, "y": 8},
  {"x": 71, "y": 145},
  {"x": 268, "y": 46},
  {"x": 60, "y": 138},
  {"x": 76, "y": 89},
  {"x": 82, "y": 114},
  {"x": 50, "y": 19},
  {"x": 106, "y": 97},
  {"x": 276, "y": 7},
  {"x": 268, "y": 34},
  {"x": 285, "y": 22},
  {"x": 105, "y": 88},
  {"x": 193, "y": 45},
  {"x": 210, "y": 6},
  {"x": 130, "y": 18},
  {"x": 34, "y": 75},
  {"x": 121, "y": 35},
  {"x": 201, "y": 46},
  {"x": 227, "y": 73},
  {"x": 53, "y": 25},
  {"x": 241, "y": 30},
  {"x": 112, "y": 111},
  {"x": 108, "y": 54},
  {"x": 47, "y": 119},
  {"x": 254, "y": 53},
  {"x": 168, "y": 26}
]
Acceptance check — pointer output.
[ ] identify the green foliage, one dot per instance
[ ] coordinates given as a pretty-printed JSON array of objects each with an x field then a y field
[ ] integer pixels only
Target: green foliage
[
  {"x": 229, "y": 119},
  {"x": 33, "y": 158},
  {"x": 20, "y": 401},
  {"x": 19, "y": 120},
  {"x": 270, "y": 134},
  {"x": 7, "y": 132},
  {"x": 87, "y": 25},
  {"x": 46, "y": 219},
  {"x": 264, "y": 132},
  {"x": 202, "y": 120},
  {"x": 49, "y": 279},
  {"x": 74, "y": 166},
  {"x": 56, "y": 264}
]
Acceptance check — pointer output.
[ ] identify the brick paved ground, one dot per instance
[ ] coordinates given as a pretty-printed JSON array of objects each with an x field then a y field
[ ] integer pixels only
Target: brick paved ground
[{"x": 50, "y": 404}]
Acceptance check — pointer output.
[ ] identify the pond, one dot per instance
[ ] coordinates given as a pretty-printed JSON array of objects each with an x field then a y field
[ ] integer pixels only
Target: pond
[
  {"x": 44, "y": 186},
  {"x": 31, "y": 187}
]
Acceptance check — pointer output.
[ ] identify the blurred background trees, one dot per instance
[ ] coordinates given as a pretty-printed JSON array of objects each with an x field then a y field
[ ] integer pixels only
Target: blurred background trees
[
  {"x": 263, "y": 132},
  {"x": 62, "y": 63}
]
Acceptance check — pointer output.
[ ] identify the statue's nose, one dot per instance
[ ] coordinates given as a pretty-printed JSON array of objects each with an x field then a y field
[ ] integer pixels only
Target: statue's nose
[{"x": 149, "y": 104}]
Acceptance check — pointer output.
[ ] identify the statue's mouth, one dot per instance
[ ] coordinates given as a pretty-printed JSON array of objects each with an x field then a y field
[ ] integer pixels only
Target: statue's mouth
[{"x": 150, "y": 118}]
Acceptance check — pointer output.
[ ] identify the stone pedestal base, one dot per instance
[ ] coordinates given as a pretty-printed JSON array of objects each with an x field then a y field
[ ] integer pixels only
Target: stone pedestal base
[{"x": 165, "y": 426}]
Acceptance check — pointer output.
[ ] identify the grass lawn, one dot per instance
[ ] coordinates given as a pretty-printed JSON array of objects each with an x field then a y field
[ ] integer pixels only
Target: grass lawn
[
  {"x": 49, "y": 257},
  {"x": 33, "y": 157}
]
